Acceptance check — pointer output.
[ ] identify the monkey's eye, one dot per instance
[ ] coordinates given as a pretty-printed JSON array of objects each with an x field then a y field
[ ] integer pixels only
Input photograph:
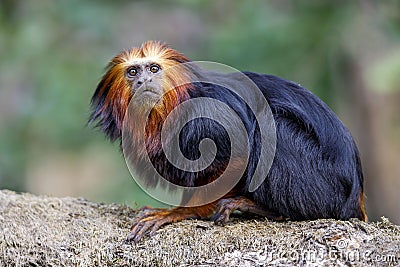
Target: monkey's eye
[
  {"x": 154, "y": 68},
  {"x": 132, "y": 72}
]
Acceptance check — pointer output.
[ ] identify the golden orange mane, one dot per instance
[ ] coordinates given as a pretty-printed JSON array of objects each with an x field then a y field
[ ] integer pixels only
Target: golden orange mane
[{"x": 113, "y": 93}]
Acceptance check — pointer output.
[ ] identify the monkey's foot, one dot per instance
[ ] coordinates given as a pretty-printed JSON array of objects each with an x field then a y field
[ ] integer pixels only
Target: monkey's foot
[
  {"x": 227, "y": 205},
  {"x": 152, "y": 219}
]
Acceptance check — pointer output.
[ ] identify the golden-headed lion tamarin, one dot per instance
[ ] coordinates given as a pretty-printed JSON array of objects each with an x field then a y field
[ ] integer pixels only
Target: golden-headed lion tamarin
[{"x": 315, "y": 173}]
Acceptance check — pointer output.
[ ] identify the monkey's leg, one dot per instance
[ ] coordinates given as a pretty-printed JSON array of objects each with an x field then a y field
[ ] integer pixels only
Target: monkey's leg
[
  {"x": 152, "y": 219},
  {"x": 226, "y": 206}
]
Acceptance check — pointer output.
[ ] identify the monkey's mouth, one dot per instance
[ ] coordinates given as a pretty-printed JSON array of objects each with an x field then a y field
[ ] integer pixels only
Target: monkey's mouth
[{"x": 147, "y": 90}]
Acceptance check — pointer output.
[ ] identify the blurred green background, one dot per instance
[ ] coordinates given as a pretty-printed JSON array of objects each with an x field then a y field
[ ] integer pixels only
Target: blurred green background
[{"x": 53, "y": 53}]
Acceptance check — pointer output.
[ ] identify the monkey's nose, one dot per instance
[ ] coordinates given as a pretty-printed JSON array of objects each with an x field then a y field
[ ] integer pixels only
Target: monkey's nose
[{"x": 140, "y": 82}]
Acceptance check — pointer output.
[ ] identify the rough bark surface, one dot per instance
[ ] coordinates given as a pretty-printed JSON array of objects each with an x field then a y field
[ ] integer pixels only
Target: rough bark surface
[{"x": 48, "y": 231}]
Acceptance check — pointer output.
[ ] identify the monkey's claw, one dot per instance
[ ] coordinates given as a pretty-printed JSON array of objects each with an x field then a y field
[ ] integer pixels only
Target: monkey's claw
[
  {"x": 226, "y": 206},
  {"x": 224, "y": 209},
  {"x": 150, "y": 220}
]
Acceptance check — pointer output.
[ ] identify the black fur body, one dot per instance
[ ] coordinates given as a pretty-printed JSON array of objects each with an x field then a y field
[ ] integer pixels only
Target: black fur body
[{"x": 316, "y": 172}]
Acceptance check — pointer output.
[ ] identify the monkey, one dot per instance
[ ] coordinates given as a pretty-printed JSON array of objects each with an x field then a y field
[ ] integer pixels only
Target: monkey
[{"x": 316, "y": 171}]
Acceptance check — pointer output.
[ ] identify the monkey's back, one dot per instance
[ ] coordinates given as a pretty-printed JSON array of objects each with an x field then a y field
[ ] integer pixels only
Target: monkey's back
[{"x": 316, "y": 172}]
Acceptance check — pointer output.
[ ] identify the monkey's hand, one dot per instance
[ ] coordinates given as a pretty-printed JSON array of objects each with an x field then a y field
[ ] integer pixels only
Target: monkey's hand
[
  {"x": 226, "y": 206},
  {"x": 150, "y": 220}
]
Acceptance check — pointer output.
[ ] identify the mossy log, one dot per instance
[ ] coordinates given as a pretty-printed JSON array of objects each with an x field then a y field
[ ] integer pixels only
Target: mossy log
[{"x": 49, "y": 231}]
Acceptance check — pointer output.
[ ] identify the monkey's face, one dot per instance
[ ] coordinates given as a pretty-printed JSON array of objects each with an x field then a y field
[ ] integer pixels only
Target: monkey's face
[
  {"x": 147, "y": 75},
  {"x": 145, "y": 80}
]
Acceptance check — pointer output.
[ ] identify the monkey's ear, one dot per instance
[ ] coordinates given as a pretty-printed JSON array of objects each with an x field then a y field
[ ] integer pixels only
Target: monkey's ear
[{"x": 101, "y": 110}]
